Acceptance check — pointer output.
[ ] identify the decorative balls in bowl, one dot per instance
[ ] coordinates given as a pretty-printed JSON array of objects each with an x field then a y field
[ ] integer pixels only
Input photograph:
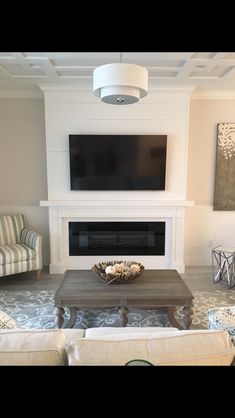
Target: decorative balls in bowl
[{"x": 118, "y": 271}]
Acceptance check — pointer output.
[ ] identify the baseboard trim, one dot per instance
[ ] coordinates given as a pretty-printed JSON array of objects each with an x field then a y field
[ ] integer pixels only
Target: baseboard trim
[
  {"x": 56, "y": 269},
  {"x": 180, "y": 267}
]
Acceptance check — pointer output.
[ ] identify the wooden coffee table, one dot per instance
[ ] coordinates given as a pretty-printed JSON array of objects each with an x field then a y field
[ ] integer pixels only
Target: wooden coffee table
[{"x": 82, "y": 289}]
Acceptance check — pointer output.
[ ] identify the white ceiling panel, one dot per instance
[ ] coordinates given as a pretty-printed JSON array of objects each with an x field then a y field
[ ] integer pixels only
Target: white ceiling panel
[{"x": 205, "y": 70}]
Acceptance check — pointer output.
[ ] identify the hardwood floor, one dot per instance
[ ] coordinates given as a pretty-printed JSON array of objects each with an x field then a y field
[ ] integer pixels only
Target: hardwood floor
[
  {"x": 27, "y": 281},
  {"x": 200, "y": 278},
  {"x": 196, "y": 278}
]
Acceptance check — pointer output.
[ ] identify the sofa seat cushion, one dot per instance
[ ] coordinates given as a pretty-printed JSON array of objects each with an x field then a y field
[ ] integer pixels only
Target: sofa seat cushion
[
  {"x": 33, "y": 347},
  {"x": 16, "y": 253},
  {"x": 172, "y": 348},
  {"x": 107, "y": 331}
]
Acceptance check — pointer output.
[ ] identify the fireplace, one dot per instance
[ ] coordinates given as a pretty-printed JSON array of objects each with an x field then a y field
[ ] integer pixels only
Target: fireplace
[
  {"x": 148, "y": 231},
  {"x": 116, "y": 238}
]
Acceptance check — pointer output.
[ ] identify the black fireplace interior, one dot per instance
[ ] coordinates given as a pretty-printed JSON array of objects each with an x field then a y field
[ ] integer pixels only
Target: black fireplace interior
[{"x": 116, "y": 238}]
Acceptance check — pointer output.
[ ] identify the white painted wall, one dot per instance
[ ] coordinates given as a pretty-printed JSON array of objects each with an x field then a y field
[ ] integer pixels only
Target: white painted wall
[
  {"x": 204, "y": 227},
  {"x": 23, "y": 178}
]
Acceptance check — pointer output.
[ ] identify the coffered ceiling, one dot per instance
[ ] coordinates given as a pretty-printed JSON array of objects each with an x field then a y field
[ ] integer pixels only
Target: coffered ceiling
[{"x": 27, "y": 70}]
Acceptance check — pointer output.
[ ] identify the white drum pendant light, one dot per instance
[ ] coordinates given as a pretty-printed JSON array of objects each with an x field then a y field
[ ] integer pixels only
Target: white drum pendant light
[{"x": 120, "y": 84}]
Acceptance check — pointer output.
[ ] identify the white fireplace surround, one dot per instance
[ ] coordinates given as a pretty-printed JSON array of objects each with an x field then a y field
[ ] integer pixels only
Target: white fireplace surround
[
  {"x": 61, "y": 212},
  {"x": 75, "y": 110}
]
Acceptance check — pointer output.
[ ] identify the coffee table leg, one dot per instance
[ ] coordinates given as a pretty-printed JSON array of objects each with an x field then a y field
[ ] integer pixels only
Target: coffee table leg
[
  {"x": 172, "y": 319},
  {"x": 187, "y": 311},
  {"x": 123, "y": 311},
  {"x": 59, "y": 320},
  {"x": 73, "y": 316}
]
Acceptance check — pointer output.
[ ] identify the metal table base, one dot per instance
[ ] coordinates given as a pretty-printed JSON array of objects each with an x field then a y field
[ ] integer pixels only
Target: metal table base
[{"x": 223, "y": 263}]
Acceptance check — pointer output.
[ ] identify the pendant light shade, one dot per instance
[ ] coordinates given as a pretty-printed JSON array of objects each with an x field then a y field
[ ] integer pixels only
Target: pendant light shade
[{"x": 120, "y": 84}]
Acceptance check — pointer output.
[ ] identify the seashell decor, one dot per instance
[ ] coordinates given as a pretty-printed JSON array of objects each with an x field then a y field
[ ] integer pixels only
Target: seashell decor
[{"x": 118, "y": 271}]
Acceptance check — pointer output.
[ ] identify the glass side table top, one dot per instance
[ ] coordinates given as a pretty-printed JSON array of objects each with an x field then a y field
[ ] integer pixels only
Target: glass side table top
[{"x": 221, "y": 248}]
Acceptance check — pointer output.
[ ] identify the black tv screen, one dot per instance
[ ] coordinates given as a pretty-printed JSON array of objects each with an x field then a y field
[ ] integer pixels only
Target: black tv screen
[{"x": 117, "y": 162}]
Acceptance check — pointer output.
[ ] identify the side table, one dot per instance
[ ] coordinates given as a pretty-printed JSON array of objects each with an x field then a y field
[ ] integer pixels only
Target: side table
[{"x": 223, "y": 264}]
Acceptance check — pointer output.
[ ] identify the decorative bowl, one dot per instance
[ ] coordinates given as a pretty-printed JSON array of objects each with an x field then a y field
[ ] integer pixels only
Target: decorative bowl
[{"x": 118, "y": 271}]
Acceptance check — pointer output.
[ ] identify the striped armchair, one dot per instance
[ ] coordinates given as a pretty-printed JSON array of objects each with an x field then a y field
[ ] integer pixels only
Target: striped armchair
[{"x": 20, "y": 248}]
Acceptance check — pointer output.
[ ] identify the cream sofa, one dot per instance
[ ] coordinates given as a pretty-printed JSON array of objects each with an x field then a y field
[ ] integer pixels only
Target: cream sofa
[{"x": 115, "y": 346}]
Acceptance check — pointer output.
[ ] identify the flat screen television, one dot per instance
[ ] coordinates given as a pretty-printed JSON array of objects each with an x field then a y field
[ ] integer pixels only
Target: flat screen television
[{"x": 117, "y": 162}]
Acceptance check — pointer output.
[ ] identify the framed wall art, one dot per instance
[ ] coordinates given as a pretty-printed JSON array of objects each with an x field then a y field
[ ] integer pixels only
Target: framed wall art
[{"x": 224, "y": 192}]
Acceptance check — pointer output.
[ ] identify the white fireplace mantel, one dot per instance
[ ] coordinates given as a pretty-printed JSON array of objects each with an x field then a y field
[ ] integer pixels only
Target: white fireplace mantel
[
  {"x": 117, "y": 203},
  {"x": 63, "y": 211}
]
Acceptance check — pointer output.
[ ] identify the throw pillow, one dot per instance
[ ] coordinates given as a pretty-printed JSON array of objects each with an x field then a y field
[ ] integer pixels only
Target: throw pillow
[{"x": 6, "y": 322}]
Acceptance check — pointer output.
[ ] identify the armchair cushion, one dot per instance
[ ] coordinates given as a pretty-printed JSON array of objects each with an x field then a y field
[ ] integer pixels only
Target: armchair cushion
[{"x": 15, "y": 253}]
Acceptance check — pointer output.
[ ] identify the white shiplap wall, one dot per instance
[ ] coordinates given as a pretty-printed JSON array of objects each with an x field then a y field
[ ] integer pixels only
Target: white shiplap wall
[
  {"x": 77, "y": 111},
  {"x": 74, "y": 111}
]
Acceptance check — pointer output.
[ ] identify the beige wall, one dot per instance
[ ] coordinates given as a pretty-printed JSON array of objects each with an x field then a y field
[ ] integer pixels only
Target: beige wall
[
  {"x": 23, "y": 173},
  {"x": 23, "y": 163},
  {"x": 205, "y": 227}
]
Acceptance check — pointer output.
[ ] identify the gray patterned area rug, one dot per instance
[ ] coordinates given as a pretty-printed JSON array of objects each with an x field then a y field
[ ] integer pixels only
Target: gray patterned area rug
[{"x": 36, "y": 310}]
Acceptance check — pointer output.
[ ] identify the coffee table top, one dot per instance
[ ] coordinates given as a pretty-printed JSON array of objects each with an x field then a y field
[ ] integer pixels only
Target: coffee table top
[{"x": 83, "y": 288}]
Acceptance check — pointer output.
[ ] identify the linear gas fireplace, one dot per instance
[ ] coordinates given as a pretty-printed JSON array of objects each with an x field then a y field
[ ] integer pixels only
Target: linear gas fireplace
[{"x": 116, "y": 238}]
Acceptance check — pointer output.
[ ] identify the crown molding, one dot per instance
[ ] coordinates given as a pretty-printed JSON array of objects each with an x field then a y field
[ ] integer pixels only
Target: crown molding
[
  {"x": 20, "y": 94},
  {"x": 186, "y": 88},
  {"x": 213, "y": 95},
  {"x": 153, "y": 87},
  {"x": 181, "y": 88},
  {"x": 63, "y": 87}
]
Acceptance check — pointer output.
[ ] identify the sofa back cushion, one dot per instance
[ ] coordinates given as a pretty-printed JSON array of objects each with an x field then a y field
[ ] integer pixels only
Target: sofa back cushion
[
  {"x": 175, "y": 348},
  {"x": 96, "y": 333},
  {"x": 10, "y": 229},
  {"x": 33, "y": 347}
]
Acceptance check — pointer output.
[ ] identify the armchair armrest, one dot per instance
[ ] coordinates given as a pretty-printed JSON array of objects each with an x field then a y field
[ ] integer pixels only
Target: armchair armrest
[
  {"x": 30, "y": 238},
  {"x": 33, "y": 240}
]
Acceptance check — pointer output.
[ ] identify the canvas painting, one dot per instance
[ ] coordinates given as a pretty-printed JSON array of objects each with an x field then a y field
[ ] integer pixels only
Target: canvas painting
[{"x": 224, "y": 196}]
